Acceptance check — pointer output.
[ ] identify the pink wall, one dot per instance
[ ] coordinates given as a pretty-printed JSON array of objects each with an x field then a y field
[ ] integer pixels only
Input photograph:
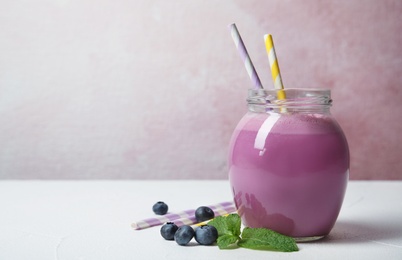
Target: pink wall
[{"x": 153, "y": 89}]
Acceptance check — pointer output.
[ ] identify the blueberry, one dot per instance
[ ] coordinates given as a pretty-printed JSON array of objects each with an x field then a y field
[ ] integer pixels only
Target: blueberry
[
  {"x": 168, "y": 230},
  {"x": 183, "y": 235},
  {"x": 206, "y": 235},
  {"x": 160, "y": 208},
  {"x": 204, "y": 213}
]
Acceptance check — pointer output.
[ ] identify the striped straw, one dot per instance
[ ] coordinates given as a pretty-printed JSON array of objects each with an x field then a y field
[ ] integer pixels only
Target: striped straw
[
  {"x": 241, "y": 48},
  {"x": 192, "y": 220},
  {"x": 273, "y": 62},
  {"x": 187, "y": 214},
  {"x": 222, "y": 214}
]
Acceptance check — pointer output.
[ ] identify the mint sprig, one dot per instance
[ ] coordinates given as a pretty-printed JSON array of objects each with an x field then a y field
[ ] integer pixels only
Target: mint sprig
[
  {"x": 230, "y": 236},
  {"x": 228, "y": 230},
  {"x": 262, "y": 238}
]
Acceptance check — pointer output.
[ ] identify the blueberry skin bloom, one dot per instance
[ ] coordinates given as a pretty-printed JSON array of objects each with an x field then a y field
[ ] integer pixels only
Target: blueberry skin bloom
[
  {"x": 206, "y": 235},
  {"x": 183, "y": 235},
  {"x": 168, "y": 230},
  {"x": 204, "y": 213},
  {"x": 160, "y": 208}
]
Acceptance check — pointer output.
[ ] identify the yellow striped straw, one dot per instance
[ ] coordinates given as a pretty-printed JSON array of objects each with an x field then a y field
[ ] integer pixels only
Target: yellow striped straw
[
  {"x": 273, "y": 62},
  {"x": 206, "y": 222}
]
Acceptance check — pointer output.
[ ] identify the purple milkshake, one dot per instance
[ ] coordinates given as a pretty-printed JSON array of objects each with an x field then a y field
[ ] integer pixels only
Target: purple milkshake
[{"x": 289, "y": 163}]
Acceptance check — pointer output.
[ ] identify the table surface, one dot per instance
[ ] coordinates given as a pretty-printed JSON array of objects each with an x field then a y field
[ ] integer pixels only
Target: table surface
[{"x": 92, "y": 220}]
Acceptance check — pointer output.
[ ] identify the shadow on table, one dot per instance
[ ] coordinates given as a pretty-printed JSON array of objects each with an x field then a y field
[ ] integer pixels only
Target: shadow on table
[{"x": 361, "y": 232}]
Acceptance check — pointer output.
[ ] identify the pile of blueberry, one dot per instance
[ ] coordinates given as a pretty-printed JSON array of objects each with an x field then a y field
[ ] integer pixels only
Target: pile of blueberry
[{"x": 204, "y": 234}]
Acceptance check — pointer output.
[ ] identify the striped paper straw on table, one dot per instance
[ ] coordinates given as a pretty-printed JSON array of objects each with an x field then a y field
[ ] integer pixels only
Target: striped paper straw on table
[
  {"x": 273, "y": 62},
  {"x": 192, "y": 220},
  {"x": 225, "y": 212},
  {"x": 241, "y": 48},
  {"x": 186, "y": 214}
]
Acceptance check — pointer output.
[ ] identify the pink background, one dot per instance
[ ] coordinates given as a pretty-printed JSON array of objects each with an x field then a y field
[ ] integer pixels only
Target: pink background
[{"x": 145, "y": 89}]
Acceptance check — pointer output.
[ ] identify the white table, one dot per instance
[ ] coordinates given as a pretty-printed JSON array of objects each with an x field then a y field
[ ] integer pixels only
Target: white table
[{"x": 91, "y": 220}]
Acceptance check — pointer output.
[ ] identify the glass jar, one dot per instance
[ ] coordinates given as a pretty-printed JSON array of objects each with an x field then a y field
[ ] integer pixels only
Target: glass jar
[{"x": 289, "y": 163}]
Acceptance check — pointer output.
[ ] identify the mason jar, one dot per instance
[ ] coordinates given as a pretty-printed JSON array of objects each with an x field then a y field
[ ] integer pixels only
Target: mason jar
[{"x": 289, "y": 163}]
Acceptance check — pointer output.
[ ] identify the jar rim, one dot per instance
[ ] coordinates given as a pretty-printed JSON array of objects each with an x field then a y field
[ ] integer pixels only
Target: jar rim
[{"x": 293, "y": 99}]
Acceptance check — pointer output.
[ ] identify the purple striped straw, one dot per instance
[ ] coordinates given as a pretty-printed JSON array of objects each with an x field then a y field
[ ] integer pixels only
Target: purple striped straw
[
  {"x": 241, "y": 48},
  {"x": 160, "y": 220}
]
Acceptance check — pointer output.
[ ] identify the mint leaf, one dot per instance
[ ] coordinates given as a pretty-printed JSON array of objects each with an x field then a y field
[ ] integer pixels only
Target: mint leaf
[
  {"x": 262, "y": 238},
  {"x": 253, "y": 238},
  {"x": 227, "y": 225},
  {"x": 227, "y": 241},
  {"x": 228, "y": 230}
]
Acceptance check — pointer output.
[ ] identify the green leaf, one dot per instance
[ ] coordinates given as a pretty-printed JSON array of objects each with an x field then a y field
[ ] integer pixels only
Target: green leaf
[
  {"x": 227, "y": 242},
  {"x": 262, "y": 238},
  {"x": 228, "y": 230}
]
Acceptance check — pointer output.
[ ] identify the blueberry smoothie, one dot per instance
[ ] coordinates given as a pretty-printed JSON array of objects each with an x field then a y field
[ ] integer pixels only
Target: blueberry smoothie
[{"x": 289, "y": 172}]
